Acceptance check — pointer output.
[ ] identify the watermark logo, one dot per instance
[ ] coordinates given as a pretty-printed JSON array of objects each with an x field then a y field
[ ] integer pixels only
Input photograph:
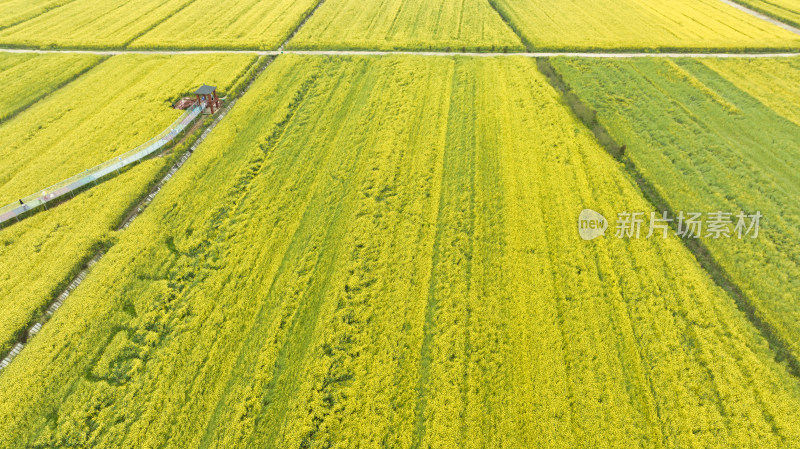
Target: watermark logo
[
  {"x": 591, "y": 224},
  {"x": 712, "y": 225}
]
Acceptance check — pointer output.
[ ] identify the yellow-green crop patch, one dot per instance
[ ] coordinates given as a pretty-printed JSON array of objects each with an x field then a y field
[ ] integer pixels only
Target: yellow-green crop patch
[
  {"x": 26, "y": 78},
  {"x": 384, "y": 251},
  {"x": 239, "y": 24},
  {"x": 406, "y": 24},
  {"x": 641, "y": 25}
]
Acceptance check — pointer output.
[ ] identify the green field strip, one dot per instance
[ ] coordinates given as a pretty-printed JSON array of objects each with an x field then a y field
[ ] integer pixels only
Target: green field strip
[
  {"x": 742, "y": 157},
  {"x": 774, "y": 82}
]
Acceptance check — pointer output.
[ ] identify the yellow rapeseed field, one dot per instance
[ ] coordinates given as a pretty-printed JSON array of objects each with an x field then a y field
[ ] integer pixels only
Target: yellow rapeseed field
[
  {"x": 250, "y": 24},
  {"x": 16, "y": 11},
  {"x": 90, "y": 23},
  {"x": 26, "y": 78},
  {"x": 406, "y": 24},
  {"x": 72, "y": 129},
  {"x": 120, "y": 104},
  {"x": 383, "y": 252},
  {"x": 43, "y": 252},
  {"x": 641, "y": 25}
]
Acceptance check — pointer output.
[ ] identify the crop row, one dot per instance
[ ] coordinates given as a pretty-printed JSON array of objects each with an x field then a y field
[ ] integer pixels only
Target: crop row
[
  {"x": 42, "y": 253},
  {"x": 383, "y": 252}
]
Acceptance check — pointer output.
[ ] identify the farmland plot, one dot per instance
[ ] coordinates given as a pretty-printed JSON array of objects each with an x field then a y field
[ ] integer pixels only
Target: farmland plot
[
  {"x": 91, "y": 23},
  {"x": 71, "y": 130},
  {"x": 28, "y": 78},
  {"x": 241, "y": 24},
  {"x": 641, "y": 25},
  {"x": 709, "y": 146},
  {"x": 383, "y": 251},
  {"x": 118, "y": 105},
  {"x": 787, "y": 11},
  {"x": 406, "y": 24}
]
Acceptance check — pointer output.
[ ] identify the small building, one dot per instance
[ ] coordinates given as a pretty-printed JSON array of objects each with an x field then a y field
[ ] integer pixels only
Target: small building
[{"x": 208, "y": 95}]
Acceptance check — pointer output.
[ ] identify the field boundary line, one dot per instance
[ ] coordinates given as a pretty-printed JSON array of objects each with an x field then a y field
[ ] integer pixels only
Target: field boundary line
[
  {"x": 132, "y": 213},
  {"x": 299, "y": 26},
  {"x": 758, "y": 14},
  {"x": 543, "y": 54},
  {"x": 779, "y": 347},
  {"x": 503, "y": 16}
]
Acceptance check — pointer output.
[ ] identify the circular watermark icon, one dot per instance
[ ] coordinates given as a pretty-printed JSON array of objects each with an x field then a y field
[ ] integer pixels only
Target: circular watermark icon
[{"x": 591, "y": 224}]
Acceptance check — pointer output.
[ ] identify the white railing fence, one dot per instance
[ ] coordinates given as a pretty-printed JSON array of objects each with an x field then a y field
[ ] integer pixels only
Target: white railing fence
[{"x": 75, "y": 182}]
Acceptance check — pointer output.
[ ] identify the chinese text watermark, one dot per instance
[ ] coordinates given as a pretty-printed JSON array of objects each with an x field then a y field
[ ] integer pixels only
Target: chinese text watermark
[{"x": 633, "y": 225}]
